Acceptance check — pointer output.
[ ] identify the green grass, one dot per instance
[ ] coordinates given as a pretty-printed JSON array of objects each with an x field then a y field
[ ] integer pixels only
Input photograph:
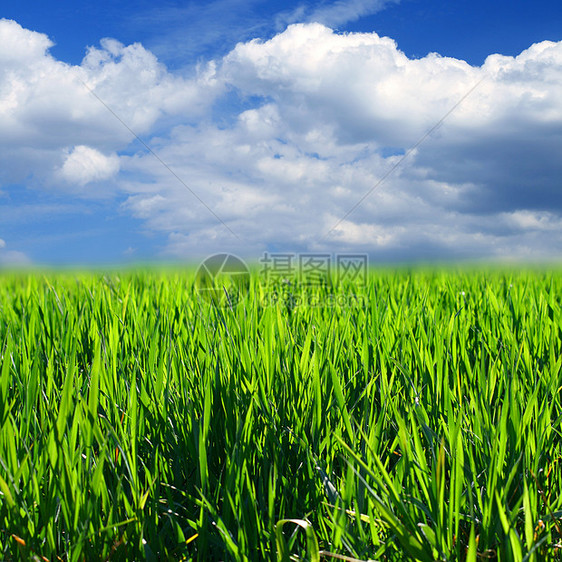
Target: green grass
[{"x": 138, "y": 422}]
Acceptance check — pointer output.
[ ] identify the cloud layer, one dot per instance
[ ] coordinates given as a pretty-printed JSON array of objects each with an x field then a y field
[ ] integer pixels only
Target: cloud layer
[
  {"x": 51, "y": 112},
  {"x": 281, "y": 138}
]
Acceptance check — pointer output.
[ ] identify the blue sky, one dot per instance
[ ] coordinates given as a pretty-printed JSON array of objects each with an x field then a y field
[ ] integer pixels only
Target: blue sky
[{"x": 259, "y": 125}]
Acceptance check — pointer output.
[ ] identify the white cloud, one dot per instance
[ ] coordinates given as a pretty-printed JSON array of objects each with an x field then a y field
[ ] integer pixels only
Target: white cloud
[
  {"x": 368, "y": 90},
  {"x": 325, "y": 116},
  {"x": 538, "y": 221},
  {"x": 84, "y": 165},
  {"x": 21, "y": 45},
  {"x": 335, "y": 109},
  {"x": 47, "y": 106}
]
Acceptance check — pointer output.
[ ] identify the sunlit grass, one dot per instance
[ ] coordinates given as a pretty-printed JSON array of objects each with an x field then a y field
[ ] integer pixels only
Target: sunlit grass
[{"x": 137, "y": 421}]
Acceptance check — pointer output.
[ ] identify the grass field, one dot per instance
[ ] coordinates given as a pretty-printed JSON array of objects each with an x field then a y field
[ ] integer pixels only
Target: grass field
[{"x": 422, "y": 421}]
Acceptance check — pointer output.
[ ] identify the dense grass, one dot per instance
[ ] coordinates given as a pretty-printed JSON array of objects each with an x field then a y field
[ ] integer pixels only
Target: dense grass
[{"x": 138, "y": 422}]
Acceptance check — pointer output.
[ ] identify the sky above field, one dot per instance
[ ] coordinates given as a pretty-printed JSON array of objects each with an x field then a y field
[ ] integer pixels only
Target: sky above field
[{"x": 409, "y": 130}]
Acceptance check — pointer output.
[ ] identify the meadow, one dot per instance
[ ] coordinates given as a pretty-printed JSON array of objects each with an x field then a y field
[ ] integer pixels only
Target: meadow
[{"x": 419, "y": 416}]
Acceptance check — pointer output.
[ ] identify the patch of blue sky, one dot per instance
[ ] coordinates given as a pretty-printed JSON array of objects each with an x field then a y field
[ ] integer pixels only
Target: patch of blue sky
[
  {"x": 469, "y": 30},
  {"x": 58, "y": 230},
  {"x": 387, "y": 151}
]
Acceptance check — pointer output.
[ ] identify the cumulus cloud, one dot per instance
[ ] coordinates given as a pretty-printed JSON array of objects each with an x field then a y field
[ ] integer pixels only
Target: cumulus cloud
[
  {"x": 369, "y": 91},
  {"x": 282, "y": 138},
  {"x": 84, "y": 165},
  {"x": 48, "y": 107},
  {"x": 337, "y": 112}
]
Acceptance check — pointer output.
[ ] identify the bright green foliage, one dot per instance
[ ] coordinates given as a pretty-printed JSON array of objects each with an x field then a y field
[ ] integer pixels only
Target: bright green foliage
[{"x": 422, "y": 421}]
